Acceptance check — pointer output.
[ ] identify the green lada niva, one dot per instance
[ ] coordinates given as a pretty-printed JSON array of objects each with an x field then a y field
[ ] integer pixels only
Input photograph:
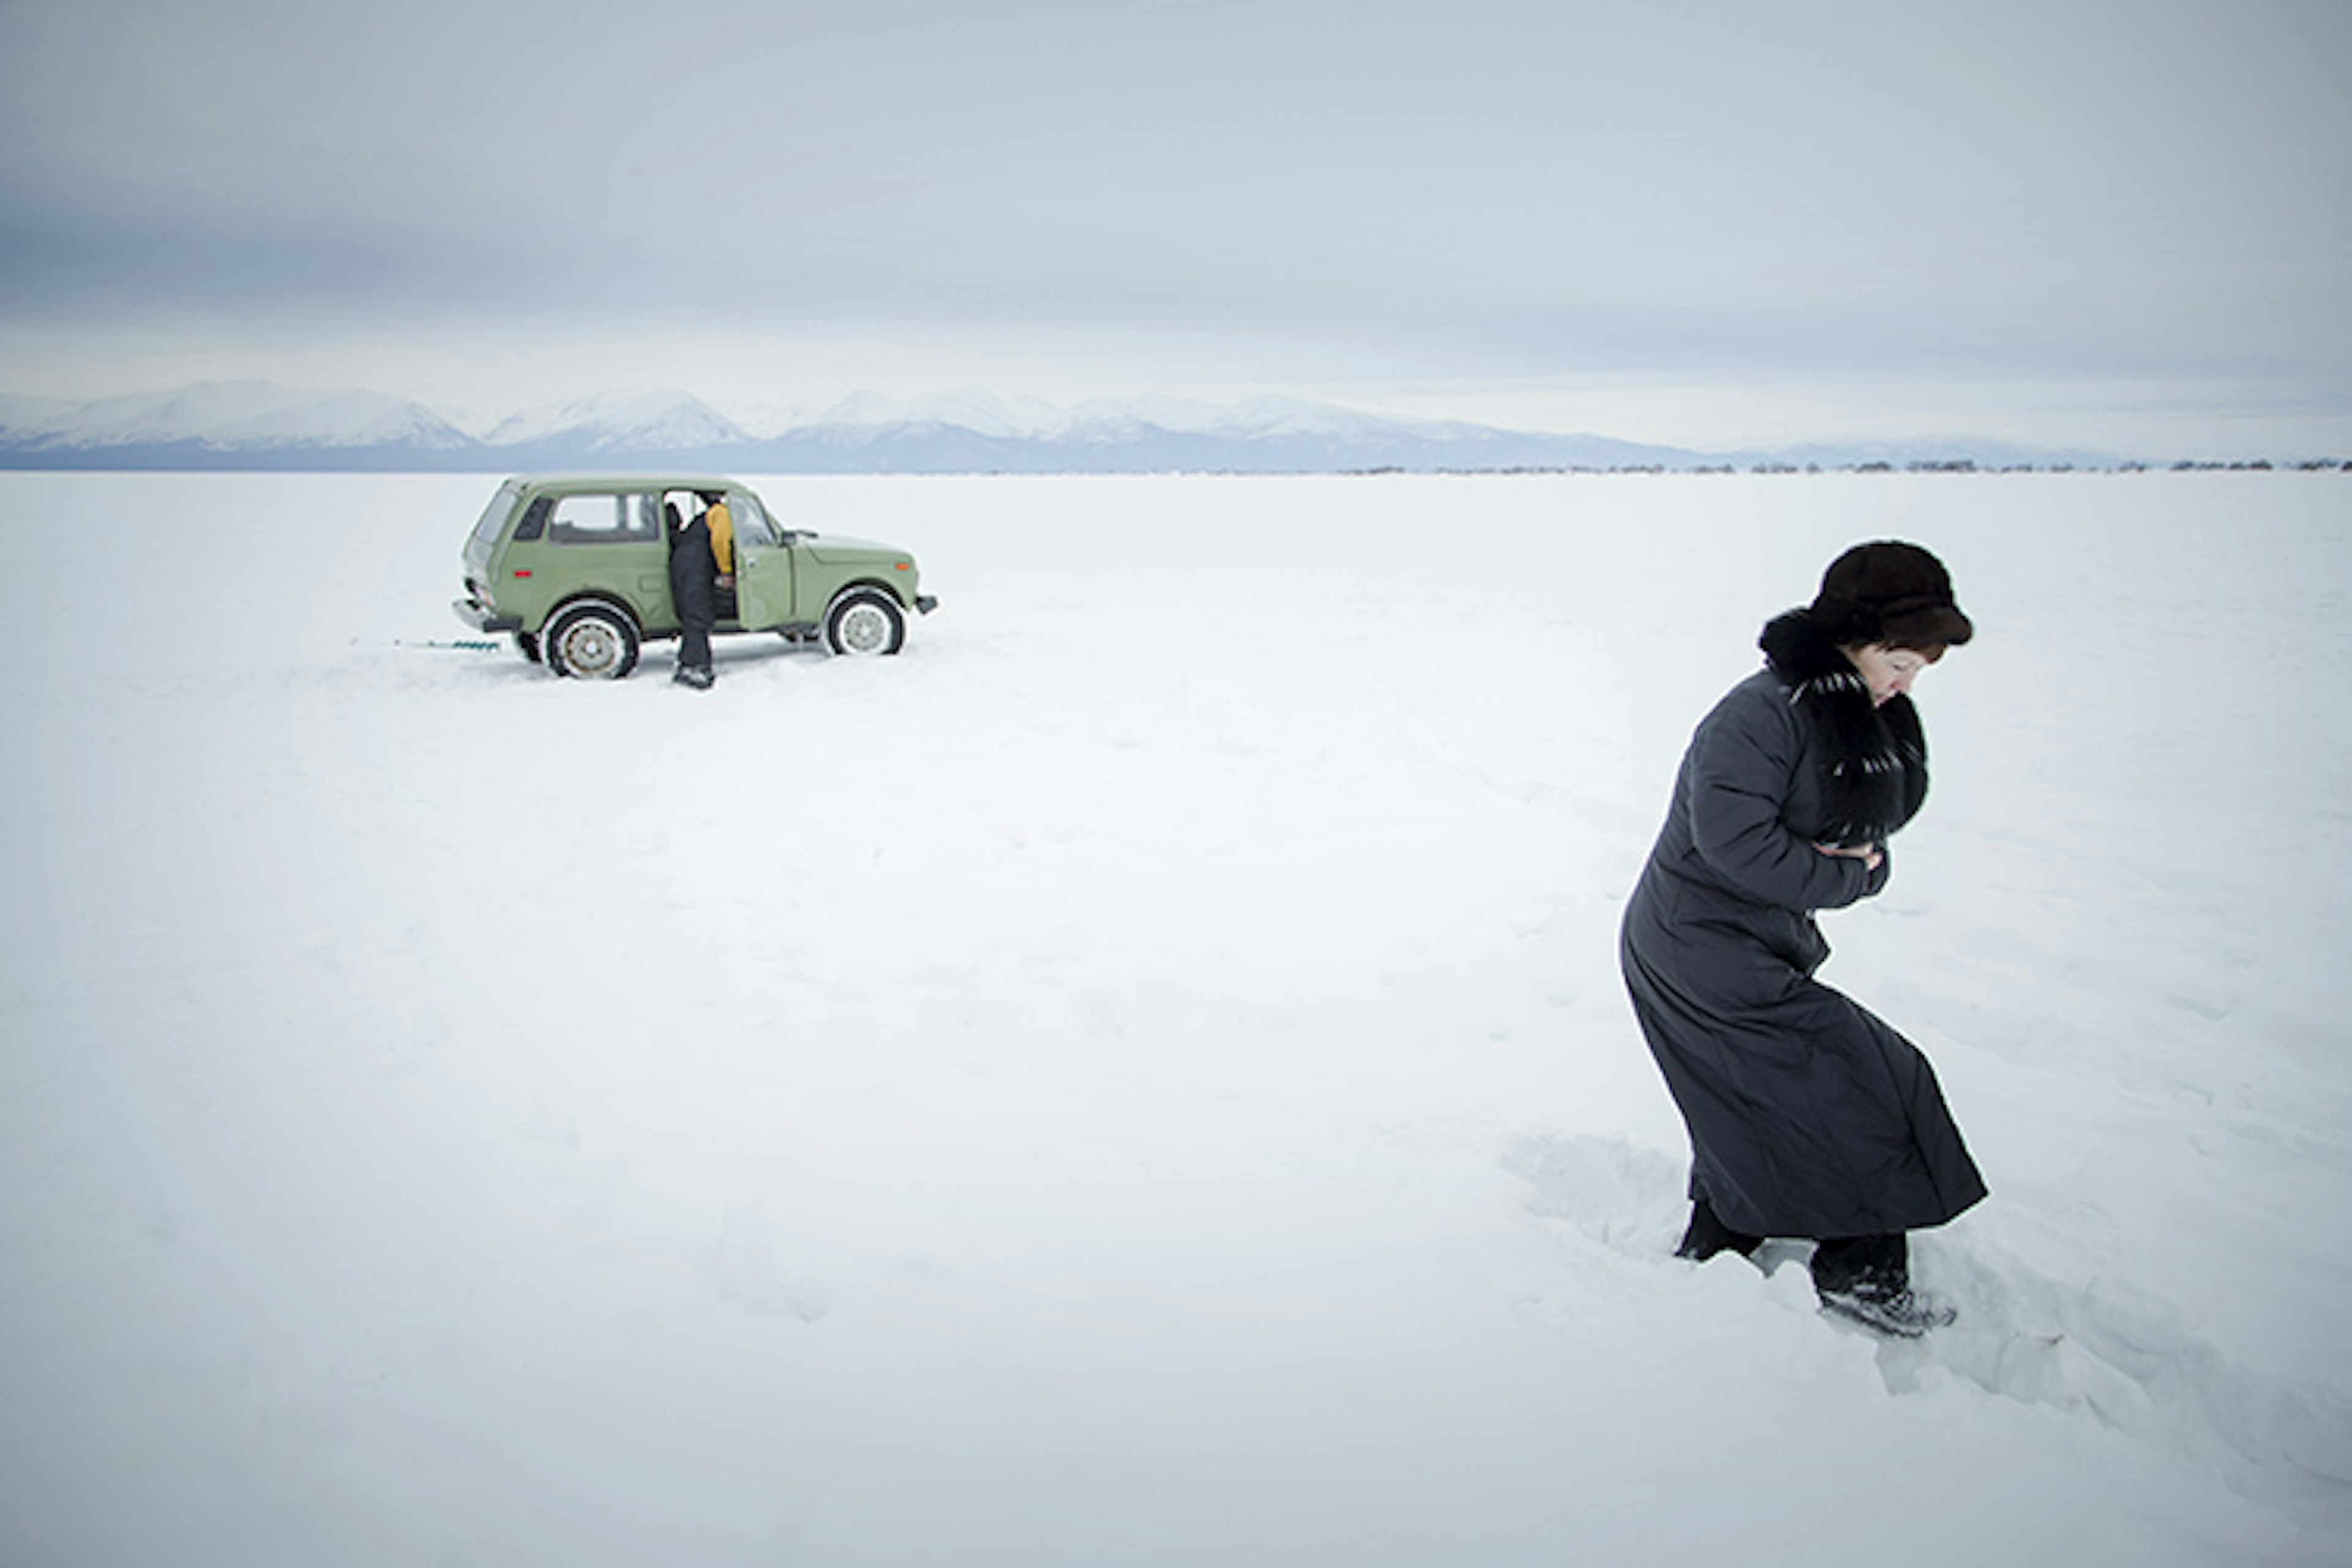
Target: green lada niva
[{"x": 577, "y": 567}]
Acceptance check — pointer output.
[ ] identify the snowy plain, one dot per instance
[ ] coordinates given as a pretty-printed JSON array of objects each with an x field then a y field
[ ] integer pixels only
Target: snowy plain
[{"x": 1141, "y": 1079}]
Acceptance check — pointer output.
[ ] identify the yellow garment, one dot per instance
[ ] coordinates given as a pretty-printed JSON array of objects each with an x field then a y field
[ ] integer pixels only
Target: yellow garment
[{"x": 722, "y": 536}]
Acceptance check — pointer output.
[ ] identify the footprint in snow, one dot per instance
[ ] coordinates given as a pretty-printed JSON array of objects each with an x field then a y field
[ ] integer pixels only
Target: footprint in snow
[
  {"x": 749, "y": 1278},
  {"x": 2103, "y": 1349}
]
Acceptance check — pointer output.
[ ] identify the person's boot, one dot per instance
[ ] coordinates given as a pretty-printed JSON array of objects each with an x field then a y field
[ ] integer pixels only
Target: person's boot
[{"x": 1866, "y": 1279}]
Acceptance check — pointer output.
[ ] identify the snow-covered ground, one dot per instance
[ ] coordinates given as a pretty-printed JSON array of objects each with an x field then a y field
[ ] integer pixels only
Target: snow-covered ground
[{"x": 1143, "y": 1079}]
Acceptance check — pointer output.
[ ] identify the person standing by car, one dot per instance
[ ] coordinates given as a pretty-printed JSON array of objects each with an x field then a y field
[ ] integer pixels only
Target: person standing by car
[
  {"x": 694, "y": 586},
  {"x": 1809, "y": 1117},
  {"x": 722, "y": 523}
]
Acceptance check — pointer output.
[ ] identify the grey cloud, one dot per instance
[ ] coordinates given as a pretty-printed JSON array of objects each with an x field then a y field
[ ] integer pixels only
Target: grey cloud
[{"x": 1564, "y": 182}]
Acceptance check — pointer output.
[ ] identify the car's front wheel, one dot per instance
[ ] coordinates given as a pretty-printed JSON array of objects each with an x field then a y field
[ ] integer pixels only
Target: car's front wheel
[
  {"x": 867, "y": 621},
  {"x": 594, "y": 642}
]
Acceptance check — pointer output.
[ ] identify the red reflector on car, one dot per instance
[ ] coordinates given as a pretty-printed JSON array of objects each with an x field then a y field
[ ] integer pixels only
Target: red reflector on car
[
  {"x": 902, "y": 566},
  {"x": 522, "y": 570}
]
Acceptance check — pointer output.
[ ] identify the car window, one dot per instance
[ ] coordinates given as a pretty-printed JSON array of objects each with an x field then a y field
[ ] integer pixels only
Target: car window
[
  {"x": 494, "y": 516},
  {"x": 602, "y": 520},
  {"x": 752, "y": 520}
]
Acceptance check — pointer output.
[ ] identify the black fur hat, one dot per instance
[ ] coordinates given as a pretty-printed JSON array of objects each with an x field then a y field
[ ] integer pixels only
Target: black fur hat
[{"x": 1891, "y": 593}]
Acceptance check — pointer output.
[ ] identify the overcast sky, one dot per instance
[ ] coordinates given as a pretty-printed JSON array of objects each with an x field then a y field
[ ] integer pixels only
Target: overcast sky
[{"x": 1710, "y": 221}]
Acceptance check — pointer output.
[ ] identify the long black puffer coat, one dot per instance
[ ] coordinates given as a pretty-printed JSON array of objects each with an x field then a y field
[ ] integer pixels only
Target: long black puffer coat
[{"x": 1808, "y": 1115}]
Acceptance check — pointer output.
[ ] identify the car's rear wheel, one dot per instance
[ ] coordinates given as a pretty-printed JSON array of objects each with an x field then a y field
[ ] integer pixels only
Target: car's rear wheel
[
  {"x": 865, "y": 622},
  {"x": 594, "y": 642}
]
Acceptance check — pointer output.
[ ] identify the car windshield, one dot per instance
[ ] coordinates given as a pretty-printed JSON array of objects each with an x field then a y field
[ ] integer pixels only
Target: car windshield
[{"x": 494, "y": 516}]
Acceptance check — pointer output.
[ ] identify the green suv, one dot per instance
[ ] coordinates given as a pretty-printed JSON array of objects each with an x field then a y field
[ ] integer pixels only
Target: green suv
[{"x": 577, "y": 567}]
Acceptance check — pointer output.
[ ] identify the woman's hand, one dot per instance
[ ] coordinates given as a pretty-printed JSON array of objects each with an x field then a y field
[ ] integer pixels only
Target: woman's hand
[{"x": 1868, "y": 854}]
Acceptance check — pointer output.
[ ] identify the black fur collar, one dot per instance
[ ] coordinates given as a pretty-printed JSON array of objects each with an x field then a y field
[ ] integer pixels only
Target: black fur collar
[{"x": 1874, "y": 759}]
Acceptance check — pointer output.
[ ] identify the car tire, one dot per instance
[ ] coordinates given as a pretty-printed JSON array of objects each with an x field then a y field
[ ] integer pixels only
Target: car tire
[
  {"x": 527, "y": 644},
  {"x": 865, "y": 622},
  {"x": 592, "y": 642}
]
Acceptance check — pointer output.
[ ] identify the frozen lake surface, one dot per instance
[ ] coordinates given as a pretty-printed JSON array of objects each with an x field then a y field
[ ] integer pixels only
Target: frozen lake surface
[{"x": 1142, "y": 1079}]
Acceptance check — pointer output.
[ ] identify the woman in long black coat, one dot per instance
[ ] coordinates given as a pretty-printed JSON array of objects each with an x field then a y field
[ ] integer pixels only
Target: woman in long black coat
[{"x": 1809, "y": 1117}]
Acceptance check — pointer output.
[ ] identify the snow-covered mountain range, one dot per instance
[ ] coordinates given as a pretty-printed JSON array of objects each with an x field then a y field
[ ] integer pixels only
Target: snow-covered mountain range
[
  {"x": 252, "y": 425},
  {"x": 243, "y": 416}
]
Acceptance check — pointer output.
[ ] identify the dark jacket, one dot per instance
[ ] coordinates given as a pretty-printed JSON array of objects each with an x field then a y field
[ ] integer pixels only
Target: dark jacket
[
  {"x": 1808, "y": 1115},
  {"x": 693, "y": 591}
]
